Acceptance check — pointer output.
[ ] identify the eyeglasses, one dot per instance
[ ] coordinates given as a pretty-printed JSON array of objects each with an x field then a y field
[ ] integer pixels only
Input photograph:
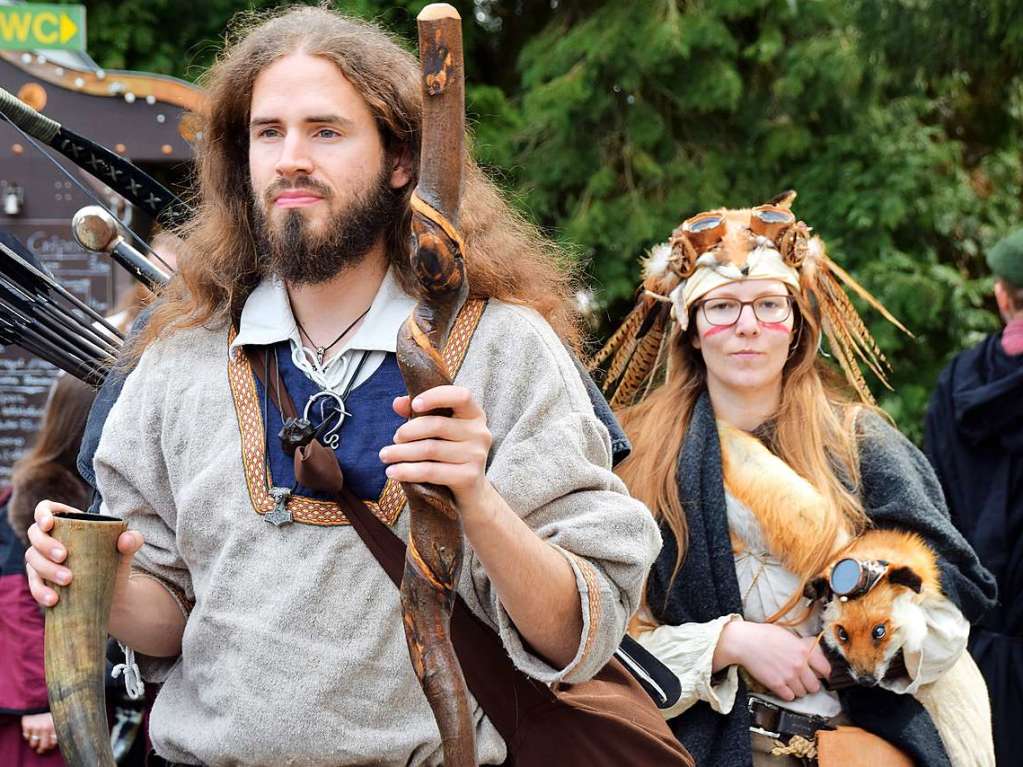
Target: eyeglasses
[
  {"x": 705, "y": 230},
  {"x": 726, "y": 311}
]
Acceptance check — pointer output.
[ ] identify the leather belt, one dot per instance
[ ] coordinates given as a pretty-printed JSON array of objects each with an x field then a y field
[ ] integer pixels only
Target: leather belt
[{"x": 777, "y": 722}]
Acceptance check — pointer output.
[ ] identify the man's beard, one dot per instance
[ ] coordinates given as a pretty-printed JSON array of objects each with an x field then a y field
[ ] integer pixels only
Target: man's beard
[{"x": 301, "y": 257}]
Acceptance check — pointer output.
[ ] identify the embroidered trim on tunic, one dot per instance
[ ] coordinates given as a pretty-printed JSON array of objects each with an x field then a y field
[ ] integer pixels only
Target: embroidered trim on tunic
[
  {"x": 315, "y": 511},
  {"x": 592, "y": 600}
]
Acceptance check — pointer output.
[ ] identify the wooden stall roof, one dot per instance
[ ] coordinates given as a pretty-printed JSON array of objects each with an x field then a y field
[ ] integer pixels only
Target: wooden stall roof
[{"x": 139, "y": 115}]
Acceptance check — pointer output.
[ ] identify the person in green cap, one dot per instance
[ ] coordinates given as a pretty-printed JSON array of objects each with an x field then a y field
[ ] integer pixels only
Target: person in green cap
[{"x": 974, "y": 438}]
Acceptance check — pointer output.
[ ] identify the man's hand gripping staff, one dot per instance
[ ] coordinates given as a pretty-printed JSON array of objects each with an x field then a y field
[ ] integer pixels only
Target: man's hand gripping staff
[{"x": 434, "y": 555}]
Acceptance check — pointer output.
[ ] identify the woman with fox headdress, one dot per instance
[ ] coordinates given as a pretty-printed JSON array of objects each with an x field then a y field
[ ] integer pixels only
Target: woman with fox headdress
[{"x": 761, "y": 469}]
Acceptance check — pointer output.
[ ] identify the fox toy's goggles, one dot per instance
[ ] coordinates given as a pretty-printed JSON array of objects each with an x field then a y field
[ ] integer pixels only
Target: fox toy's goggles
[{"x": 851, "y": 578}]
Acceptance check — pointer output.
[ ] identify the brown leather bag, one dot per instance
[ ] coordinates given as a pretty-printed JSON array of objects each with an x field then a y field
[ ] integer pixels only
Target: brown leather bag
[
  {"x": 609, "y": 721},
  {"x": 855, "y": 747}
]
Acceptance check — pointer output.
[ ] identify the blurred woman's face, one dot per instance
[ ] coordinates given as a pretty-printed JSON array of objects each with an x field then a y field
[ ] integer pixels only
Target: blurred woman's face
[{"x": 744, "y": 330}]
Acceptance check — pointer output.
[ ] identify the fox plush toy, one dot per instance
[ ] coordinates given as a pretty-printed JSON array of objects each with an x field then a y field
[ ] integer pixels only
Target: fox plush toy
[{"x": 888, "y": 614}]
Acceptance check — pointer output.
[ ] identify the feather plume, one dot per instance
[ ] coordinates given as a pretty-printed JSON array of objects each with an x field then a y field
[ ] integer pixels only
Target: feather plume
[
  {"x": 863, "y": 293},
  {"x": 640, "y": 366},
  {"x": 626, "y": 330}
]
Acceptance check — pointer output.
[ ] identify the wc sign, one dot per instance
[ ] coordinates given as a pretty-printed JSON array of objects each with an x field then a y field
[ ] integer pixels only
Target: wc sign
[{"x": 37, "y": 26}]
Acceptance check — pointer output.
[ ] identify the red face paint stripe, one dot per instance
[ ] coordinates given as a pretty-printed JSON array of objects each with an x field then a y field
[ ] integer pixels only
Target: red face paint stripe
[
  {"x": 713, "y": 330},
  {"x": 778, "y": 327}
]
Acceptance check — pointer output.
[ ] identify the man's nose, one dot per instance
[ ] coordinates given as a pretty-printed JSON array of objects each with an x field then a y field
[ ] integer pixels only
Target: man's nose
[
  {"x": 294, "y": 157},
  {"x": 747, "y": 324}
]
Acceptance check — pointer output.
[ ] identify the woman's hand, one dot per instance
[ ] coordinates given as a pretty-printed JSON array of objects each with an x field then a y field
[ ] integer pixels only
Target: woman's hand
[
  {"x": 443, "y": 450},
  {"x": 43, "y": 558},
  {"x": 38, "y": 730},
  {"x": 787, "y": 665}
]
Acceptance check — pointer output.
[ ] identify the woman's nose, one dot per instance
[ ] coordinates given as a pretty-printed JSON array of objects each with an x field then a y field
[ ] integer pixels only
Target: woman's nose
[{"x": 747, "y": 324}]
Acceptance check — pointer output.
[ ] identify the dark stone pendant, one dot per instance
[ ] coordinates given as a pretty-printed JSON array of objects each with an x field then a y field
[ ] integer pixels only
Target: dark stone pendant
[
  {"x": 296, "y": 433},
  {"x": 279, "y": 515}
]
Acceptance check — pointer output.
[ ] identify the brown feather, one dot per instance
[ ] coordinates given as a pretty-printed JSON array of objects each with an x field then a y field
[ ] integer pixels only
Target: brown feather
[
  {"x": 640, "y": 366},
  {"x": 629, "y": 326}
]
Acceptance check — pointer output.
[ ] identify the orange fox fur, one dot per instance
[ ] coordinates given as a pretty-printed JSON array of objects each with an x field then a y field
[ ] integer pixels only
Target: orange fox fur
[
  {"x": 957, "y": 701},
  {"x": 793, "y": 516},
  {"x": 868, "y": 630}
]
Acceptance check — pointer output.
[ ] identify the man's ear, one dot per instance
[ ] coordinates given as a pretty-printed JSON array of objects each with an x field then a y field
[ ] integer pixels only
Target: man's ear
[
  {"x": 401, "y": 167},
  {"x": 1004, "y": 300},
  {"x": 817, "y": 589},
  {"x": 905, "y": 576}
]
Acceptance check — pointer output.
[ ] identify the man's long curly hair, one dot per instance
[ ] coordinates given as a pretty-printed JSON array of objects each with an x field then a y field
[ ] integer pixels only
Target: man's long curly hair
[{"x": 506, "y": 257}]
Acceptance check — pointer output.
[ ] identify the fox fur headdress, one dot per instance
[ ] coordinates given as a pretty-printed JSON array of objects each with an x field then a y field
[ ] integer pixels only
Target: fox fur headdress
[{"x": 723, "y": 246}]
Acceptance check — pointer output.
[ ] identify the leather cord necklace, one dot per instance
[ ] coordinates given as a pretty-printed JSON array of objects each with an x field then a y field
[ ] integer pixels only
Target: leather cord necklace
[{"x": 320, "y": 351}]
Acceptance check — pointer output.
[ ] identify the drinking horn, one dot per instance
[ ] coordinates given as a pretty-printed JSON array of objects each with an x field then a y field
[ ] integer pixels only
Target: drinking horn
[
  {"x": 76, "y": 638},
  {"x": 433, "y": 560}
]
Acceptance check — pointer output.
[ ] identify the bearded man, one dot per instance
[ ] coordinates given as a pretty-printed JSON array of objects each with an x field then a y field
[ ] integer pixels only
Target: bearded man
[{"x": 284, "y": 645}]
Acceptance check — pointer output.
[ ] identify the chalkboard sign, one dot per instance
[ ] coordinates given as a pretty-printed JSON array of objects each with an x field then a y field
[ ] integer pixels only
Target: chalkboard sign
[{"x": 25, "y": 380}]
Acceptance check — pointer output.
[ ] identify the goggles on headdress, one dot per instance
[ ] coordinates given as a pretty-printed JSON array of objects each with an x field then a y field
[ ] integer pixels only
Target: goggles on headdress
[
  {"x": 700, "y": 235},
  {"x": 705, "y": 230},
  {"x": 851, "y": 578}
]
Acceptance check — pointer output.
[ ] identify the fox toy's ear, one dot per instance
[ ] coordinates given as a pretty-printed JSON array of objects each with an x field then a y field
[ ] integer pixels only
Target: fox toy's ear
[
  {"x": 817, "y": 589},
  {"x": 905, "y": 576}
]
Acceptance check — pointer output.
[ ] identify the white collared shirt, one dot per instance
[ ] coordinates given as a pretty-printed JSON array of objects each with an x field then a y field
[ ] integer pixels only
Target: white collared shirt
[{"x": 267, "y": 319}]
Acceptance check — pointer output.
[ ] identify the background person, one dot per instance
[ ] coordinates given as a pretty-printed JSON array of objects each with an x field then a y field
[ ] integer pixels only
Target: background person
[
  {"x": 47, "y": 470},
  {"x": 974, "y": 439}
]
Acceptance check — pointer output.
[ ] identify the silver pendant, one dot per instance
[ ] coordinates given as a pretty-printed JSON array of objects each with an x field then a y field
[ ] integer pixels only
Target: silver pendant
[
  {"x": 280, "y": 515},
  {"x": 320, "y": 352}
]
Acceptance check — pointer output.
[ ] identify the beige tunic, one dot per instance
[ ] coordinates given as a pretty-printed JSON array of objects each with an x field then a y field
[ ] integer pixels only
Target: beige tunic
[{"x": 294, "y": 653}]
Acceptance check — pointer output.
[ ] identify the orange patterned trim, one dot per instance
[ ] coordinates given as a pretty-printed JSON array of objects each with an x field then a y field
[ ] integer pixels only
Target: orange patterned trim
[
  {"x": 313, "y": 511},
  {"x": 592, "y": 601}
]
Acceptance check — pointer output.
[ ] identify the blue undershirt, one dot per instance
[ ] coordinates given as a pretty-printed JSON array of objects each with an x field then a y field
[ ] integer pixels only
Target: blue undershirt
[{"x": 368, "y": 428}]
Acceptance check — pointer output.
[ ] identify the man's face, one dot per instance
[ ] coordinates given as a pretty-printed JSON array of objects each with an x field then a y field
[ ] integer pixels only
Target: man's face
[{"x": 322, "y": 184}]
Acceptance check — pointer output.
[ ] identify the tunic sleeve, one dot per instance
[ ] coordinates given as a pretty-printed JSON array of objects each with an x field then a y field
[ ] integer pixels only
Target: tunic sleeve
[
  {"x": 551, "y": 462},
  {"x": 688, "y": 650},
  {"x": 132, "y": 479}
]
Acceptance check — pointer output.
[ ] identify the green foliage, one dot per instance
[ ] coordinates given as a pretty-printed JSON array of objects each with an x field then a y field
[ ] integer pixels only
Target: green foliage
[{"x": 897, "y": 121}]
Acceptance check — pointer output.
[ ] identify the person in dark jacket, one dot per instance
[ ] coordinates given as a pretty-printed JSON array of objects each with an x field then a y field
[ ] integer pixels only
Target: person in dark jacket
[{"x": 974, "y": 439}]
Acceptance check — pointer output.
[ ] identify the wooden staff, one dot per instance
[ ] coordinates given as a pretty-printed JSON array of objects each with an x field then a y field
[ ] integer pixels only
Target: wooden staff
[{"x": 433, "y": 560}]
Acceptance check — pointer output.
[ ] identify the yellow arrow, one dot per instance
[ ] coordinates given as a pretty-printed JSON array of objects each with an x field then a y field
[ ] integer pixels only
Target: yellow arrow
[{"x": 68, "y": 28}]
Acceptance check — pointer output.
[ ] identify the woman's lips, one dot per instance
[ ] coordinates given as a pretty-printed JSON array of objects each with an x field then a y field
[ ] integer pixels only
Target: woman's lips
[{"x": 747, "y": 354}]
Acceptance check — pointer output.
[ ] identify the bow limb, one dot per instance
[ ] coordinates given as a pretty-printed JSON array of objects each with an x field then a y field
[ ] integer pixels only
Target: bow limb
[{"x": 124, "y": 177}]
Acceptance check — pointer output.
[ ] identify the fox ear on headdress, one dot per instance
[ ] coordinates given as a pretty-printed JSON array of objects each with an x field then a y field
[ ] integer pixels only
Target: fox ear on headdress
[
  {"x": 683, "y": 254},
  {"x": 783, "y": 200}
]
